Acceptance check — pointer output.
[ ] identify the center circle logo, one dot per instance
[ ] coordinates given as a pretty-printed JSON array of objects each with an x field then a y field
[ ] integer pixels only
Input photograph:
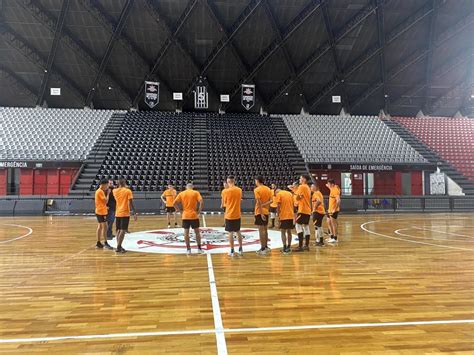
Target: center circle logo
[{"x": 214, "y": 240}]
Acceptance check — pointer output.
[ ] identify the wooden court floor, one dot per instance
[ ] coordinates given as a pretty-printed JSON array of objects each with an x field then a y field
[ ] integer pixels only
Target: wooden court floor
[{"x": 395, "y": 284}]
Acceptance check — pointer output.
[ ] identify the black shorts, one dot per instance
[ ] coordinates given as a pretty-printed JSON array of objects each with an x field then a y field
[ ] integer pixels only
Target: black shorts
[
  {"x": 334, "y": 215},
  {"x": 190, "y": 223},
  {"x": 101, "y": 219},
  {"x": 232, "y": 225},
  {"x": 302, "y": 218},
  {"x": 170, "y": 210},
  {"x": 259, "y": 221},
  {"x": 273, "y": 209},
  {"x": 318, "y": 219},
  {"x": 122, "y": 223},
  {"x": 287, "y": 224}
]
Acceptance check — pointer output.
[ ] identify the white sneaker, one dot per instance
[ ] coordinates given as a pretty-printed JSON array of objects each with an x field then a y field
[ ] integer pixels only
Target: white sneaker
[
  {"x": 230, "y": 255},
  {"x": 260, "y": 252},
  {"x": 200, "y": 251},
  {"x": 188, "y": 252},
  {"x": 332, "y": 241},
  {"x": 241, "y": 253}
]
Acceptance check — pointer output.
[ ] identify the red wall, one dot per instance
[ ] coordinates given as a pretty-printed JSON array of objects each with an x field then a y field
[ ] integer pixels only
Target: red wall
[
  {"x": 46, "y": 181},
  {"x": 3, "y": 182},
  {"x": 417, "y": 183},
  {"x": 384, "y": 183}
]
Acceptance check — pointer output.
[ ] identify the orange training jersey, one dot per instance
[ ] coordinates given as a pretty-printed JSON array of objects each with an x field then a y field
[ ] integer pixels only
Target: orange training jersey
[
  {"x": 232, "y": 201},
  {"x": 318, "y": 196},
  {"x": 189, "y": 200},
  {"x": 274, "y": 204},
  {"x": 100, "y": 203},
  {"x": 304, "y": 201},
  {"x": 285, "y": 200},
  {"x": 334, "y": 193},
  {"x": 264, "y": 194},
  {"x": 122, "y": 195},
  {"x": 169, "y": 195},
  {"x": 222, "y": 196}
]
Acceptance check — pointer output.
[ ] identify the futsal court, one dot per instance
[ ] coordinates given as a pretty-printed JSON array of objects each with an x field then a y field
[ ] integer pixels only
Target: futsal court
[{"x": 394, "y": 284}]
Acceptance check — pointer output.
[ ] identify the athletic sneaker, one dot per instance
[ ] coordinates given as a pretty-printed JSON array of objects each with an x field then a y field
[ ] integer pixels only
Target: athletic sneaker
[
  {"x": 169, "y": 225},
  {"x": 241, "y": 252},
  {"x": 288, "y": 250},
  {"x": 231, "y": 254},
  {"x": 260, "y": 252},
  {"x": 200, "y": 251},
  {"x": 120, "y": 250},
  {"x": 332, "y": 241},
  {"x": 298, "y": 250},
  {"x": 108, "y": 246},
  {"x": 99, "y": 245},
  {"x": 188, "y": 252},
  {"x": 175, "y": 225},
  {"x": 306, "y": 248},
  {"x": 320, "y": 244}
]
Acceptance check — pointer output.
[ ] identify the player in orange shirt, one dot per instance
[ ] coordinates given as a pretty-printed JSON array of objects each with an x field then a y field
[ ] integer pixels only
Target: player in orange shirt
[
  {"x": 263, "y": 198},
  {"x": 273, "y": 206},
  {"x": 303, "y": 196},
  {"x": 284, "y": 200},
  {"x": 124, "y": 197},
  {"x": 319, "y": 211},
  {"x": 232, "y": 199},
  {"x": 168, "y": 197},
  {"x": 101, "y": 211},
  {"x": 191, "y": 205},
  {"x": 333, "y": 209},
  {"x": 225, "y": 186}
]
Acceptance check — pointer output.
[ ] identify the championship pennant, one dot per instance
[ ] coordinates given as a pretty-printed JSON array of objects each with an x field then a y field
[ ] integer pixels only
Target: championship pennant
[
  {"x": 152, "y": 93},
  {"x": 201, "y": 95},
  {"x": 248, "y": 96}
]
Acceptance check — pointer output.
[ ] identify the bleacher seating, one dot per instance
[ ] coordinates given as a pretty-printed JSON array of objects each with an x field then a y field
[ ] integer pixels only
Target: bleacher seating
[
  {"x": 349, "y": 139},
  {"x": 245, "y": 146},
  {"x": 451, "y": 138},
  {"x": 150, "y": 150},
  {"x": 49, "y": 134}
]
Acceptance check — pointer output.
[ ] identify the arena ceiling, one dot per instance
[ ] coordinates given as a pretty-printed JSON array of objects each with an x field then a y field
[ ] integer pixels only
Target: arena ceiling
[{"x": 398, "y": 55}]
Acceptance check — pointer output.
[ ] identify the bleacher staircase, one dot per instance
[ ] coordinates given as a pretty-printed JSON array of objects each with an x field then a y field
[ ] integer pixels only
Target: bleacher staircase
[
  {"x": 200, "y": 152},
  {"x": 466, "y": 185},
  {"x": 96, "y": 156}
]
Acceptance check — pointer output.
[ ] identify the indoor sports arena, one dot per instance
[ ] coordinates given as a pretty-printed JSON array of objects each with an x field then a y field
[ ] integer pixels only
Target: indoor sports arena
[{"x": 236, "y": 176}]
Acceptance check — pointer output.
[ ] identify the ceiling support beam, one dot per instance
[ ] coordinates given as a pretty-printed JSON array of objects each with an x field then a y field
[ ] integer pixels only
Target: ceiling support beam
[
  {"x": 18, "y": 43},
  {"x": 302, "y": 17},
  {"x": 116, "y": 34},
  {"x": 381, "y": 44},
  {"x": 320, "y": 52},
  {"x": 429, "y": 59},
  {"x": 172, "y": 39},
  {"x": 52, "y": 53},
  {"x": 286, "y": 55},
  {"x": 48, "y": 20}
]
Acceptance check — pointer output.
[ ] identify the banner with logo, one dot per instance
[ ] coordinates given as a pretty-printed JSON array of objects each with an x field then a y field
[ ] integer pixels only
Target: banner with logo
[
  {"x": 201, "y": 95},
  {"x": 152, "y": 93},
  {"x": 248, "y": 96}
]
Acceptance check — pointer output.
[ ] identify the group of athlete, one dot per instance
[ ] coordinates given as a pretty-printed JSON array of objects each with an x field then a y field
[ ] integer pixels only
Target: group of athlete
[{"x": 292, "y": 207}]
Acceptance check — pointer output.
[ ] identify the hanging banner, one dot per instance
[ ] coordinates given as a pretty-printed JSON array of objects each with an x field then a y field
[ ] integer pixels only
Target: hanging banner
[
  {"x": 248, "y": 96},
  {"x": 201, "y": 95},
  {"x": 152, "y": 93}
]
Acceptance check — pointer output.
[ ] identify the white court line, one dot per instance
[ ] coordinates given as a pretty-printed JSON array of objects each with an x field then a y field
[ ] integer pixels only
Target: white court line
[
  {"x": 216, "y": 310},
  {"x": 450, "y": 233},
  {"x": 362, "y": 226},
  {"x": 237, "y": 330},
  {"x": 30, "y": 231},
  {"x": 398, "y": 231}
]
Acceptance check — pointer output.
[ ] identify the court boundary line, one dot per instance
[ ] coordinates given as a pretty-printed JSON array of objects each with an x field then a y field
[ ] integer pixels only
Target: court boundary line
[
  {"x": 238, "y": 330},
  {"x": 362, "y": 226},
  {"x": 216, "y": 309},
  {"x": 30, "y": 232},
  {"x": 449, "y": 233},
  {"x": 398, "y": 231}
]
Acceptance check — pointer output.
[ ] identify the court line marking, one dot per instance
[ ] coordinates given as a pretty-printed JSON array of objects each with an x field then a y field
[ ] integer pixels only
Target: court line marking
[
  {"x": 362, "y": 226},
  {"x": 451, "y": 233},
  {"x": 216, "y": 310},
  {"x": 237, "y": 330},
  {"x": 398, "y": 231},
  {"x": 30, "y": 231}
]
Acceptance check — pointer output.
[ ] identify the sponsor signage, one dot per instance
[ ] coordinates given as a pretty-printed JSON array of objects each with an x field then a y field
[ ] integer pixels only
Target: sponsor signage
[
  {"x": 336, "y": 99},
  {"x": 152, "y": 93},
  {"x": 178, "y": 96},
  {"x": 55, "y": 91},
  {"x": 225, "y": 98},
  {"x": 201, "y": 95},
  {"x": 248, "y": 96}
]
